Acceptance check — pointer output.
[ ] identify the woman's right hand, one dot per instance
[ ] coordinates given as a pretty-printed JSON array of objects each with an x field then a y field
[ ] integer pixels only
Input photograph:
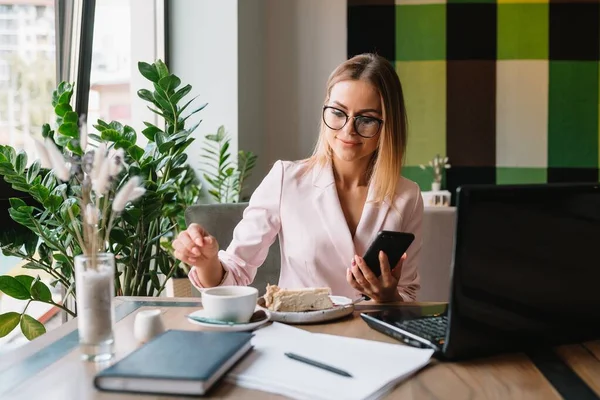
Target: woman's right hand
[{"x": 196, "y": 247}]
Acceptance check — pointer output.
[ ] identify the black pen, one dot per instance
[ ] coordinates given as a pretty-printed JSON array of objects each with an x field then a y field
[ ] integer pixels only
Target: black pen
[{"x": 318, "y": 364}]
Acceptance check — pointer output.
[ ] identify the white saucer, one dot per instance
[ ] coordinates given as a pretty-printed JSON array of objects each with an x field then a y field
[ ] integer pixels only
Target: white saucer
[
  {"x": 342, "y": 306},
  {"x": 226, "y": 328}
]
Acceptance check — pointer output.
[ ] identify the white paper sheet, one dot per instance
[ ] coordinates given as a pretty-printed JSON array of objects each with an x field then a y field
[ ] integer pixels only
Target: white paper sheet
[{"x": 376, "y": 367}]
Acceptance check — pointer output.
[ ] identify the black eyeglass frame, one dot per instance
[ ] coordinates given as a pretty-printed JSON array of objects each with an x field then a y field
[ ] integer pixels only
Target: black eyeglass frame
[{"x": 354, "y": 118}]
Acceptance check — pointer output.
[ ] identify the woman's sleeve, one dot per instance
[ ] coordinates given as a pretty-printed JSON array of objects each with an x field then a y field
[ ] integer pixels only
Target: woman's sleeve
[
  {"x": 409, "y": 282},
  {"x": 255, "y": 233}
]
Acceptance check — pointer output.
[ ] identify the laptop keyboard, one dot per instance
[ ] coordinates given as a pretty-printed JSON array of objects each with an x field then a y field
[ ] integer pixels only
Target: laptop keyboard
[{"x": 431, "y": 328}]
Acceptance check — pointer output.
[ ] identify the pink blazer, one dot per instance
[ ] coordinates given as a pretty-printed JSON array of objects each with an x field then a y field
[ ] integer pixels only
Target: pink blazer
[{"x": 316, "y": 244}]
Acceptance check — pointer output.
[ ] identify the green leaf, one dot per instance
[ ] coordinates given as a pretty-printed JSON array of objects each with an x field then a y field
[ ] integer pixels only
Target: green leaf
[
  {"x": 62, "y": 108},
  {"x": 145, "y": 94},
  {"x": 21, "y": 162},
  {"x": 70, "y": 129},
  {"x": 154, "y": 279},
  {"x": 21, "y": 217},
  {"x": 179, "y": 159},
  {"x": 39, "y": 291},
  {"x": 74, "y": 146},
  {"x": 16, "y": 203},
  {"x": 61, "y": 258},
  {"x": 25, "y": 280},
  {"x": 117, "y": 126},
  {"x": 148, "y": 71},
  {"x": 13, "y": 288},
  {"x": 6, "y": 169},
  {"x": 15, "y": 179},
  {"x": 163, "y": 103},
  {"x": 71, "y": 117},
  {"x": 31, "y": 245},
  {"x": 65, "y": 97},
  {"x": 102, "y": 125},
  {"x": 165, "y": 147},
  {"x": 95, "y": 137},
  {"x": 221, "y": 133},
  {"x": 169, "y": 83},
  {"x": 160, "y": 138},
  {"x": 33, "y": 171},
  {"x": 179, "y": 135},
  {"x": 44, "y": 253},
  {"x": 195, "y": 111},
  {"x": 63, "y": 140},
  {"x": 110, "y": 135},
  {"x": 53, "y": 202},
  {"x": 161, "y": 68},
  {"x": 132, "y": 216},
  {"x": 129, "y": 134},
  {"x": 31, "y": 327},
  {"x": 150, "y": 131},
  {"x": 40, "y": 192},
  {"x": 119, "y": 236},
  {"x": 188, "y": 103},
  {"x": 181, "y": 147},
  {"x": 46, "y": 131},
  {"x": 8, "y": 322},
  {"x": 180, "y": 94},
  {"x": 135, "y": 152}
]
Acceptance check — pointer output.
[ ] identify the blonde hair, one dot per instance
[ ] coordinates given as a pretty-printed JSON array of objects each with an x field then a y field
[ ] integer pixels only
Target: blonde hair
[{"x": 386, "y": 163}]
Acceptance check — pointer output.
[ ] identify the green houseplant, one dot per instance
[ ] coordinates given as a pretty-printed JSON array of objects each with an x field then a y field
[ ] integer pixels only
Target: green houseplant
[
  {"x": 226, "y": 178},
  {"x": 141, "y": 233}
]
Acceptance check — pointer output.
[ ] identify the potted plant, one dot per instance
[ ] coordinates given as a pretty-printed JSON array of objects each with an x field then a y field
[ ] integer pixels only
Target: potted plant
[
  {"x": 138, "y": 236},
  {"x": 436, "y": 166},
  {"x": 227, "y": 178}
]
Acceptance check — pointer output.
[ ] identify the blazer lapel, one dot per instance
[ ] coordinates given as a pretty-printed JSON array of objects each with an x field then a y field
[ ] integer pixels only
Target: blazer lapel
[
  {"x": 327, "y": 203},
  {"x": 371, "y": 222}
]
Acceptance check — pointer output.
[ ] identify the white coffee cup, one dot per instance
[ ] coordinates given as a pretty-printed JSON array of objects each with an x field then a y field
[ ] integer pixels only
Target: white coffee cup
[
  {"x": 230, "y": 303},
  {"x": 147, "y": 325}
]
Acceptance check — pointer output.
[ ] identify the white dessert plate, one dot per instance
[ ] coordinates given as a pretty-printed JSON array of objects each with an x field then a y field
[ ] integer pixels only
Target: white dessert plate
[
  {"x": 199, "y": 318},
  {"x": 342, "y": 306}
]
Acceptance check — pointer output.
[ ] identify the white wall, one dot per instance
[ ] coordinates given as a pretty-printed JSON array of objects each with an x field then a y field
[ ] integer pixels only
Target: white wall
[
  {"x": 203, "y": 40},
  {"x": 306, "y": 40},
  {"x": 252, "y": 81},
  {"x": 280, "y": 53}
]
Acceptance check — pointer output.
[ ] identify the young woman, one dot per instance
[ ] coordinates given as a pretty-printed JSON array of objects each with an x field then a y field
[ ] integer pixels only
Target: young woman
[{"x": 327, "y": 209}]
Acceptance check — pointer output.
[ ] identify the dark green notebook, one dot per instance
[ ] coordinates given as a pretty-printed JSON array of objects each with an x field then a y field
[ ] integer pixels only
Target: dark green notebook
[{"x": 176, "y": 363}]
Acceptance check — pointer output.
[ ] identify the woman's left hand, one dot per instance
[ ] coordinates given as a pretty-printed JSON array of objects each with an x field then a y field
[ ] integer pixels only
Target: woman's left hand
[{"x": 382, "y": 289}]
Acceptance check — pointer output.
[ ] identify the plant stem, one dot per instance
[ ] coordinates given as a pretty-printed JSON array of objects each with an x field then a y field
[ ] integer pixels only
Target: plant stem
[
  {"x": 26, "y": 305},
  {"x": 104, "y": 211},
  {"x": 81, "y": 242},
  {"x": 63, "y": 308},
  {"x": 50, "y": 271},
  {"x": 47, "y": 239},
  {"x": 169, "y": 275}
]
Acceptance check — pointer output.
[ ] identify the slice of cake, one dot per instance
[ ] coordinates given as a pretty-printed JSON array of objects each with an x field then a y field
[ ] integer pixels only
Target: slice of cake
[{"x": 309, "y": 299}]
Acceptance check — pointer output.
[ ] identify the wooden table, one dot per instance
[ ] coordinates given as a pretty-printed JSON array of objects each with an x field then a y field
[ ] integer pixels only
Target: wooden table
[{"x": 49, "y": 367}]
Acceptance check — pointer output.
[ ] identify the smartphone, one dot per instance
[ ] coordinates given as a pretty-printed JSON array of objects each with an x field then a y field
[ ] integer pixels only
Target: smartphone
[{"x": 393, "y": 244}]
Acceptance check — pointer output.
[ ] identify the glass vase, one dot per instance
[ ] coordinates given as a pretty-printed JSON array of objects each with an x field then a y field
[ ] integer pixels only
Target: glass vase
[{"x": 94, "y": 285}]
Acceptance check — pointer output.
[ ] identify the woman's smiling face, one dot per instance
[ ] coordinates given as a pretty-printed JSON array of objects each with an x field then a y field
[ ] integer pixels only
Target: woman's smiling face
[{"x": 354, "y": 98}]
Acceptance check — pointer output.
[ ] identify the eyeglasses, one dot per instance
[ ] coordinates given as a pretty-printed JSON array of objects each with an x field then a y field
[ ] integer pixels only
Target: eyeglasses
[{"x": 336, "y": 119}]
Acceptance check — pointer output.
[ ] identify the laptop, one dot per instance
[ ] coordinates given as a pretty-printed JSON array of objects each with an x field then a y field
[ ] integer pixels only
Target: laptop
[{"x": 525, "y": 274}]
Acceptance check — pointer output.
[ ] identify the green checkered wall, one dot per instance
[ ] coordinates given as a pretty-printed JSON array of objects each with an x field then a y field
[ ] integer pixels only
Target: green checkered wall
[{"x": 508, "y": 90}]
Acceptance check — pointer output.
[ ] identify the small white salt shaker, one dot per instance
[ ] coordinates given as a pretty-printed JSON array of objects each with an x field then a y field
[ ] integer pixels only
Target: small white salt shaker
[{"x": 147, "y": 324}]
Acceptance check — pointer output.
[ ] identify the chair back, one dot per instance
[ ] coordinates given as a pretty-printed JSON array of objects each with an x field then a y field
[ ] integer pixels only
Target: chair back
[
  {"x": 220, "y": 220},
  {"x": 436, "y": 254}
]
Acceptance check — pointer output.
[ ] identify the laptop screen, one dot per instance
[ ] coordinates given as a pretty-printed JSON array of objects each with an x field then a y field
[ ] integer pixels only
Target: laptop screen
[{"x": 526, "y": 266}]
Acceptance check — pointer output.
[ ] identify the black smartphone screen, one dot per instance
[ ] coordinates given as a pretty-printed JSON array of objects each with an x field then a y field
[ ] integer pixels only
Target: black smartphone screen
[{"x": 393, "y": 244}]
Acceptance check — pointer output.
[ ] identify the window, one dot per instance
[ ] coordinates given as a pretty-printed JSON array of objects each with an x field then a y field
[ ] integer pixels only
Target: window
[
  {"x": 27, "y": 71},
  {"x": 27, "y": 78},
  {"x": 125, "y": 32}
]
